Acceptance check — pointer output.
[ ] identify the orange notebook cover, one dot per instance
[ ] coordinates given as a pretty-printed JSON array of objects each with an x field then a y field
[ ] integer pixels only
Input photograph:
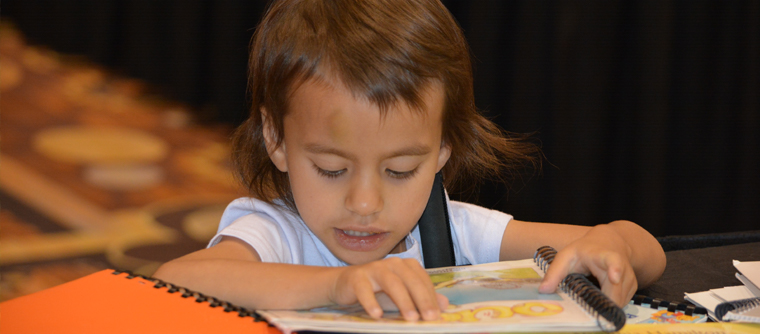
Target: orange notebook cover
[{"x": 112, "y": 302}]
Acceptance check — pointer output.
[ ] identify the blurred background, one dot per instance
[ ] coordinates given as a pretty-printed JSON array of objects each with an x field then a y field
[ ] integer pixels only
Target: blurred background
[{"x": 646, "y": 110}]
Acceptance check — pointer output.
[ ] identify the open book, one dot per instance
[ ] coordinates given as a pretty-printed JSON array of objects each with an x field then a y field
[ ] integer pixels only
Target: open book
[{"x": 494, "y": 297}]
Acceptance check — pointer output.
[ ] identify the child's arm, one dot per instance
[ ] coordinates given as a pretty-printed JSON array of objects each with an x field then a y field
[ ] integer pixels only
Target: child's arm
[
  {"x": 233, "y": 271},
  {"x": 621, "y": 255}
]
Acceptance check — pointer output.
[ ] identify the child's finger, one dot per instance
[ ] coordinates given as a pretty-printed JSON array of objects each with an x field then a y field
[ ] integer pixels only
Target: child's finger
[
  {"x": 616, "y": 277},
  {"x": 396, "y": 289},
  {"x": 605, "y": 266},
  {"x": 443, "y": 302},
  {"x": 618, "y": 293},
  {"x": 615, "y": 268},
  {"x": 423, "y": 293},
  {"x": 440, "y": 300},
  {"x": 424, "y": 299},
  {"x": 629, "y": 287},
  {"x": 557, "y": 271},
  {"x": 622, "y": 291},
  {"x": 365, "y": 294}
]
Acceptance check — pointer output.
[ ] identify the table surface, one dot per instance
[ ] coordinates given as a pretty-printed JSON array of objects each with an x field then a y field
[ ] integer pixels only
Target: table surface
[{"x": 700, "y": 269}]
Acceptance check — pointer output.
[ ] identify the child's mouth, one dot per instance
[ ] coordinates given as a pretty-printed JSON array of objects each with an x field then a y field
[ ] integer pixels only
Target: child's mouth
[
  {"x": 357, "y": 233},
  {"x": 358, "y": 240}
]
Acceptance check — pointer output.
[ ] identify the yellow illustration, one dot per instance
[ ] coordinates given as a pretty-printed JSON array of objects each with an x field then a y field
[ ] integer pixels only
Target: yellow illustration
[
  {"x": 498, "y": 279},
  {"x": 537, "y": 309}
]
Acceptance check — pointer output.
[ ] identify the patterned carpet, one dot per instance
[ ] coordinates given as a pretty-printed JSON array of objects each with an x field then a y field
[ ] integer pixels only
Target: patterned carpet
[{"x": 96, "y": 172}]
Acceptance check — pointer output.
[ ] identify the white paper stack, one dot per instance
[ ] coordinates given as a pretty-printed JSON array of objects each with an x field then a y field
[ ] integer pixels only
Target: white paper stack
[{"x": 749, "y": 274}]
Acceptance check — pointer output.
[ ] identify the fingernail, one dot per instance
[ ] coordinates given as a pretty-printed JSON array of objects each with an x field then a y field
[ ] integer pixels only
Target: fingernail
[
  {"x": 411, "y": 316},
  {"x": 431, "y": 315}
]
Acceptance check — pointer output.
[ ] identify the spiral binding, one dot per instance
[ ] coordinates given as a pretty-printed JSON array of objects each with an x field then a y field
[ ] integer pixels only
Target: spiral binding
[
  {"x": 199, "y": 297},
  {"x": 544, "y": 256},
  {"x": 656, "y": 303},
  {"x": 608, "y": 315},
  {"x": 737, "y": 306}
]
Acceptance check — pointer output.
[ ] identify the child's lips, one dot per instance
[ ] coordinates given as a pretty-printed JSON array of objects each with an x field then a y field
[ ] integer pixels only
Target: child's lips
[{"x": 360, "y": 241}]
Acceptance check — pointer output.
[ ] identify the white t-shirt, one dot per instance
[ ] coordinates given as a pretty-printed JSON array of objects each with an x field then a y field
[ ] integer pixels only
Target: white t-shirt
[{"x": 281, "y": 236}]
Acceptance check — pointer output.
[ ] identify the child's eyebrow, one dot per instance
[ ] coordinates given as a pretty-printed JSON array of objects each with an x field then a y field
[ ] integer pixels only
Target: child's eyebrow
[
  {"x": 409, "y": 150},
  {"x": 321, "y": 149},
  {"x": 414, "y": 150}
]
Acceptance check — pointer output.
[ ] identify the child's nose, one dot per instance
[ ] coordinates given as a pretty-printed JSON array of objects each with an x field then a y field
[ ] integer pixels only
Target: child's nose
[{"x": 365, "y": 197}]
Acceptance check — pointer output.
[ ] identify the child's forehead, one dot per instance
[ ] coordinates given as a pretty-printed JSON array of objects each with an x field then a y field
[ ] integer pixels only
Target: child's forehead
[
  {"x": 328, "y": 82},
  {"x": 329, "y": 115}
]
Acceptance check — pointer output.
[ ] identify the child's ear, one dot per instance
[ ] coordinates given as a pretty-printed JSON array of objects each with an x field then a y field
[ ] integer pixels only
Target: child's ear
[
  {"x": 276, "y": 152},
  {"x": 443, "y": 155}
]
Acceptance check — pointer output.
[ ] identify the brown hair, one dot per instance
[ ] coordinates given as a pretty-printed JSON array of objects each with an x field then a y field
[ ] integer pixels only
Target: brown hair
[{"x": 387, "y": 51}]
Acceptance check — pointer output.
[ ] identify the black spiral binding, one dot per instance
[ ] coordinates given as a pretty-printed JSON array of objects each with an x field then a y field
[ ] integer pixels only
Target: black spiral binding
[
  {"x": 737, "y": 306},
  {"x": 199, "y": 297},
  {"x": 608, "y": 315},
  {"x": 656, "y": 303}
]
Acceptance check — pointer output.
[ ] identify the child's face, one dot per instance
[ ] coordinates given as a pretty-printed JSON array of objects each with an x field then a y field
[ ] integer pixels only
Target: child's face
[{"x": 360, "y": 181}]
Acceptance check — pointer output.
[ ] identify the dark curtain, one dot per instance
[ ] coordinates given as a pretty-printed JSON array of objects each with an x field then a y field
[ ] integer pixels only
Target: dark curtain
[{"x": 646, "y": 110}]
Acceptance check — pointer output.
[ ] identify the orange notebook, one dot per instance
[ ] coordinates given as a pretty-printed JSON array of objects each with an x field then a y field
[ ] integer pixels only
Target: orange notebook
[{"x": 113, "y": 302}]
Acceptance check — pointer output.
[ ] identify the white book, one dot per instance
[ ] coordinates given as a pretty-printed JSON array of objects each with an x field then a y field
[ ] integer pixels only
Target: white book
[{"x": 734, "y": 303}]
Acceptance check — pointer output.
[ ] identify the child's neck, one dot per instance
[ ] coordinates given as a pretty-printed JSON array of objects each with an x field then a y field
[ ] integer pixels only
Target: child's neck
[{"x": 400, "y": 247}]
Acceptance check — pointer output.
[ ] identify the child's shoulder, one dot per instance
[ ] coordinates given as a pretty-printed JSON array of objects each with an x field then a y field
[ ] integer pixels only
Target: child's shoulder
[
  {"x": 476, "y": 212},
  {"x": 253, "y": 208}
]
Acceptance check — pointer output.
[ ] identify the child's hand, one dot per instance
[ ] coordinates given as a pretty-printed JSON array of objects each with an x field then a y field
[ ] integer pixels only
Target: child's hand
[
  {"x": 403, "y": 280},
  {"x": 602, "y": 253}
]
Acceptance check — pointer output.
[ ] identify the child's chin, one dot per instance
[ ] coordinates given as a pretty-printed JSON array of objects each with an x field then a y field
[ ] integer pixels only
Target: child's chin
[{"x": 358, "y": 258}]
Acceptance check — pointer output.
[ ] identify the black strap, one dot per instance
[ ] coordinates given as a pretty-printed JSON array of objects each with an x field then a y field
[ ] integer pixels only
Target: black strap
[{"x": 435, "y": 230}]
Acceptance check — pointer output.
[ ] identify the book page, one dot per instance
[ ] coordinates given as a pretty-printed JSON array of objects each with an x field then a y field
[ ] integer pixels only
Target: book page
[
  {"x": 499, "y": 296},
  {"x": 750, "y": 270},
  {"x": 749, "y": 285},
  {"x": 731, "y": 293},
  {"x": 705, "y": 299}
]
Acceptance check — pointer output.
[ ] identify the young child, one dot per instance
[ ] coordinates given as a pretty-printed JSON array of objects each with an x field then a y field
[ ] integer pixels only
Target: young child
[{"x": 356, "y": 105}]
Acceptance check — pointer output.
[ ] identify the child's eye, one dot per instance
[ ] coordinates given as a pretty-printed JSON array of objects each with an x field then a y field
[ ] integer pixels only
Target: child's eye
[
  {"x": 330, "y": 174},
  {"x": 401, "y": 175}
]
